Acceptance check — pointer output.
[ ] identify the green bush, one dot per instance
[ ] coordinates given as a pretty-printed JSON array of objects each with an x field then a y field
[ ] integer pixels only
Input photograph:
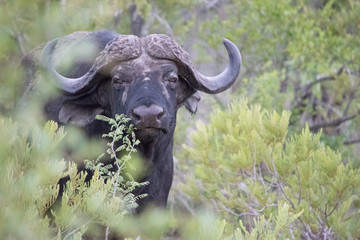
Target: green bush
[
  {"x": 31, "y": 169},
  {"x": 262, "y": 183},
  {"x": 245, "y": 166},
  {"x": 29, "y": 175}
]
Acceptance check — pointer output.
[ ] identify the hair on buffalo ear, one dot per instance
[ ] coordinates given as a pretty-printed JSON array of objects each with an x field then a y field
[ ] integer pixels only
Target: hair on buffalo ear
[
  {"x": 191, "y": 102},
  {"x": 78, "y": 115},
  {"x": 186, "y": 96}
]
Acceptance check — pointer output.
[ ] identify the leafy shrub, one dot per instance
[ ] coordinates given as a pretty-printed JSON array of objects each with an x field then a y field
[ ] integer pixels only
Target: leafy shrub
[
  {"x": 245, "y": 166},
  {"x": 31, "y": 170},
  {"x": 262, "y": 183}
]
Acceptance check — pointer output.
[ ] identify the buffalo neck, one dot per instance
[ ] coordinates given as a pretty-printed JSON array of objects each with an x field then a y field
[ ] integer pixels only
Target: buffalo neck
[
  {"x": 154, "y": 151},
  {"x": 159, "y": 163}
]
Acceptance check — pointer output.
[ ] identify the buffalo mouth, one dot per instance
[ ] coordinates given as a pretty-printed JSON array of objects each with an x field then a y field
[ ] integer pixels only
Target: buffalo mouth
[{"x": 148, "y": 134}]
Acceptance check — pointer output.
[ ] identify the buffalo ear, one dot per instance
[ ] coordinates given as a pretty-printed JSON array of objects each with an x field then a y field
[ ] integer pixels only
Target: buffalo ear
[
  {"x": 186, "y": 95},
  {"x": 191, "y": 103},
  {"x": 78, "y": 115}
]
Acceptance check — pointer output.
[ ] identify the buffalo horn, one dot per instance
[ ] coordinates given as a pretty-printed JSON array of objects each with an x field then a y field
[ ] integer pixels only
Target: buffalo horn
[
  {"x": 69, "y": 85},
  {"x": 224, "y": 80}
]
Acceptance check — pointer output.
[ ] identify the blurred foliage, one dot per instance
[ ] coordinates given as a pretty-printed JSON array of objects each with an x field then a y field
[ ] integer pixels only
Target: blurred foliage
[
  {"x": 32, "y": 168},
  {"x": 245, "y": 165},
  {"x": 302, "y": 56}
]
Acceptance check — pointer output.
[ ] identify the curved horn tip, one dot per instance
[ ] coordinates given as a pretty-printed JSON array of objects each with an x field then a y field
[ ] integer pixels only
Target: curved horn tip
[
  {"x": 46, "y": 54},
  {"x": 231, "y": 47},
  {"x": 68, "y": 85},
  {"x": 224, "y": 80}
]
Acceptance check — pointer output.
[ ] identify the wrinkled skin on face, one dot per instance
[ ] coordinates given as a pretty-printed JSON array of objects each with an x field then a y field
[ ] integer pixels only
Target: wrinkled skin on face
[
  {"x": 147, "y": 79},
  {"x": 149, "y": 83},
  {"x": 149, "y": 92}
]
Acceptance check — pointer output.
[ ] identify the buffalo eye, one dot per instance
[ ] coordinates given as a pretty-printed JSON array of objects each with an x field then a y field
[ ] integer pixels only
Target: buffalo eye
[
  {"x": 171, "y": 78},
  {"x": 119, "y": 81}
]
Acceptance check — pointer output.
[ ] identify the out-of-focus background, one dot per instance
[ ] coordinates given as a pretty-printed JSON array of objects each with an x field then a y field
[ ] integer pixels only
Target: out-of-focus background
[{"x": 275, "y": 156}]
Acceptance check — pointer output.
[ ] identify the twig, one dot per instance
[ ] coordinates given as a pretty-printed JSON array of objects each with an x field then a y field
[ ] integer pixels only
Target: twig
[
  {"x": 299, "y": 199},
  {"x": 352, "y": 96},
  {"x": 333, "y": 123},
  {"x": 321, "y": 78},
  {"x": 254, "y": 212},
  {"x": 350, "y": 75},
  {"x": 168, "y": 28},
  {"x": 77, "y": 229},
  {"x": 19, "y": 39},
  {"x": 107, "y": 232},
  {"x": 148, "y": 22},
  {"x": 186, "y": 205},
  {"x": 260, "y": 175},
  {"x": 329, "y": 107},
  {"x": 327, "y": 215},
  {"x": 304, "y": 90},
  {"x": 136, "y": 21},
  {"x": 254, "y": 167},
  {"x": 352, "y": 141},
  {"x": 280, "y": 183},
  {"x": 309, "y": 232},
  {"x": 113, "y": 150},
  {"x": 291, "y": 233}
]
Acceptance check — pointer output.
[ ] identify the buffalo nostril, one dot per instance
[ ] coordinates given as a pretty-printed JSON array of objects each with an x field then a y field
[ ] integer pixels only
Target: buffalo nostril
[
  {"x": 134, "y": 115},
  {"x": 160, "y": 114},
  {"x": 148, "y": 116}
]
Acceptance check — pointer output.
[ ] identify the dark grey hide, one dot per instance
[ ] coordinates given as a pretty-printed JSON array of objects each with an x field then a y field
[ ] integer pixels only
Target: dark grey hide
[{"x": 147, "y": 79}]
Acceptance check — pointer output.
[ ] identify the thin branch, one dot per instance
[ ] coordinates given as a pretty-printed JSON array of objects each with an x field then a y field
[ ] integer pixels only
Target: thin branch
[
  {"x": 148, "y": 22},
  {"x": 254, "y": 167},
  {"x": 305, "y": 90},
  {"x": 254, "y": 212},
  {"x": 260, "y": 175},
  {"x": 77, "y": 229},
  {"x": 19, "y": 39},
  {"x": 333, "y": 123},
  {"x": 352, "y": 141},
  {"x": 329, "y": 107},
  {"x": 323, "y": 78},
  {"x": 186, "y": 205},
  {"x": 117, "y": 17},
  {"x": 107, "y": 233},
  {"x": 350, "y": 75},
  {"x": 309, "y": 234},
  {"x": 113, "y": 150},
  {"x": 136, "y": 21},
  {"x": 163, "y": 21},
  {"x": 299, "y": 199},
  {"x": 280, "y": 184},
  {"x": 319, "y": 79},
  {"x": 291, "y": 233},
  {"x": 284, "y": 84},
  {"x": 335, "y": 207},
  {"x": 352, "y": 96}
]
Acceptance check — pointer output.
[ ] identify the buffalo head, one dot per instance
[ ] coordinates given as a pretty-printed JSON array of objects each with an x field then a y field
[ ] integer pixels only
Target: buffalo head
[{"x": 147, "y": 79}]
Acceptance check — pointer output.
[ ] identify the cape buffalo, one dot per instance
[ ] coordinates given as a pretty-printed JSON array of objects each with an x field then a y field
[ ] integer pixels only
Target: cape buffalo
[{"x": 147, "y": 79}]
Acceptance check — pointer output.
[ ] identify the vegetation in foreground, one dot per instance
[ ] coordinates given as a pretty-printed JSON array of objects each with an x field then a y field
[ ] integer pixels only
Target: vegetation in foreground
[
  {"x": 248, "y": 173},
  {"x": 274, "y": 186}
]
